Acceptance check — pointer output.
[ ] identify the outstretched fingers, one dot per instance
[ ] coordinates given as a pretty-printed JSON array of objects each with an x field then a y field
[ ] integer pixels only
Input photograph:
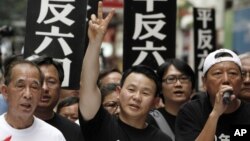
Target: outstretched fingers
[
  {"x": 107, "y": 19},
  {"x": 100, "y": 10},
  {"x": 98, "y": 25},
  {"x": 93, "y": 17}
]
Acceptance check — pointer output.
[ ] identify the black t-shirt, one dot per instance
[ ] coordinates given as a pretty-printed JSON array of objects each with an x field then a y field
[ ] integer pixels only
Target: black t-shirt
[
  {"x": 105, "y": 127},
  {"x": 194, "y": 114},
  {"x": 71, "y": 131},
  {"x": 170, "y": 119}
]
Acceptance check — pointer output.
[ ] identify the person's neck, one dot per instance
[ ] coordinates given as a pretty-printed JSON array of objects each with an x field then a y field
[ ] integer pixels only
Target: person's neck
[
  {"x": 139, "y": 123},
  {"x": 44, "y": 114},
  {"x": 233, "y": 106},
  {"x": 172, "y": 107},
  {"x": 18, "y": 122}
]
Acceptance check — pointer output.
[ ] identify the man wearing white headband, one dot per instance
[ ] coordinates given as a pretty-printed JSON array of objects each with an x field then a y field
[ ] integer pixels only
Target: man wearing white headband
[{"x": 211, "y": 116}]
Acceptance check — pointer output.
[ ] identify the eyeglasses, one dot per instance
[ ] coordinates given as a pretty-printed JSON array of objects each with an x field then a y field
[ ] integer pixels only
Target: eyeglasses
[
  {"x": 245, "y": 74},
  {"x": 171, "y": 79},
  {"x": 111, "y": 106}
]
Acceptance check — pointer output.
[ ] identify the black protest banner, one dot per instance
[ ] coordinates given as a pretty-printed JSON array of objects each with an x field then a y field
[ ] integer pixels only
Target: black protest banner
[
  {"x": 57, "y": 29},
  {"x": 204, "y": 38},
  {"x": 149, "y": 32},
  {"x": 91, "y": 9}
]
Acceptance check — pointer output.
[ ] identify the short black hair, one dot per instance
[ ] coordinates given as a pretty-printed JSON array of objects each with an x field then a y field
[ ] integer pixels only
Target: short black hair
[
  {"x": 10, "y": 59},
  {"x": 104, "y": 73},
  {"x": 108, "y": 89},
  {"x": 46, "y": 60},
  {"x": 180, "y": 65},
  {"x": 67, "y": 102},
  {"x": 14, "y": 60},
  {"x": 145, "y": 70}
]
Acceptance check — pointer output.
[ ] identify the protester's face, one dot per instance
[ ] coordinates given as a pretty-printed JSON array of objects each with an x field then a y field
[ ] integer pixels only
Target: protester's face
[
  {"x": 113, "y": 77},
  {"x": 245, "y": 89},
  {"x": 137, "y": 96},
  {"x": 179, "y": 91},
  {"x": 110, "y": 103},
  {"x": 223, "y": 73},
  {"x": 24, "y": 91},
  {"x": 70, "y": 112},
  {"x": 51, "y": 87}
]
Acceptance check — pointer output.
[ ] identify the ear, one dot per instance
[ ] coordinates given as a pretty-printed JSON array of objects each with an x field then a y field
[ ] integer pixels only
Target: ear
[
  {"x": 203, "y": 83},
  {"x": 4, "y": 90},
  {"x": 155, "y": 102},
  {"x": 118, "y": 90}
]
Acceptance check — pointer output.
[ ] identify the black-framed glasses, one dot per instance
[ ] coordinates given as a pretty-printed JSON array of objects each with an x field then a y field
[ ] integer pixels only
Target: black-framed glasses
[
  {"x": 111, "y": 106},
  {"x": 171, "y": 79}
]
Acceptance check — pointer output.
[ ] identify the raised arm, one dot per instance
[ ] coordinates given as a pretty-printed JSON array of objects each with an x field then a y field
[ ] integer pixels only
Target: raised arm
[{"x": 90, "y": 96}]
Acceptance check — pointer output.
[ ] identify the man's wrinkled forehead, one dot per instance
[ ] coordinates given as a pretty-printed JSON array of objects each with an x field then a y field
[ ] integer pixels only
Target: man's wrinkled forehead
[
  {"x": 25, "y": 80},
  {"x": 18, "y": 76}
]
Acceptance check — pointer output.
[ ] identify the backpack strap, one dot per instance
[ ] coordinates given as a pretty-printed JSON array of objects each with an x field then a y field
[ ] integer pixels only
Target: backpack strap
[{"x": 162, "y": 123}]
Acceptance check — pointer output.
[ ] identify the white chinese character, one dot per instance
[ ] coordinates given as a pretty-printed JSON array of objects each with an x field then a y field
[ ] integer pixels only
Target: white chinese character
[
  {"x": 149, "y": 47},
  {"x": 47, "y": 40},
  {"x": 224, "y": 137},
  {"x": 139, "y": 23},
  {"x": 215, "y": 137},
  {"x": 66, "y": 67},
  {"x": 202, "y": 58},
  {"x": 65, "y": 64},
  {"x": 65, "y": 10},
  {"x": 88, "y": 8},
  {"x": 204, "y": 39},
  {"x": 150, "y": 4},
  {"x": 204, "y": 16}
]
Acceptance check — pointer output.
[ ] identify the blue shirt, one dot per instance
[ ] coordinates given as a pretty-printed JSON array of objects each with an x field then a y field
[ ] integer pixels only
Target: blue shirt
[{"x": 3, "y": 105}]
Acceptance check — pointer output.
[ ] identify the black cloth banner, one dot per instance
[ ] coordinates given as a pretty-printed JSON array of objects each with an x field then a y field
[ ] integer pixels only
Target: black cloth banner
[
  {"x": 91, "y": 9},
  {"x": 204, "y": 39},
  {"x": 149, "y": 32},
  {"x": 57, "y": 29}
]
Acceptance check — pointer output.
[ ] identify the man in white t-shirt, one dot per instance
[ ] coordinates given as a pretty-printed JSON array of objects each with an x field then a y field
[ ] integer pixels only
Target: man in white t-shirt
[{"x": 22, "y": 89}]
